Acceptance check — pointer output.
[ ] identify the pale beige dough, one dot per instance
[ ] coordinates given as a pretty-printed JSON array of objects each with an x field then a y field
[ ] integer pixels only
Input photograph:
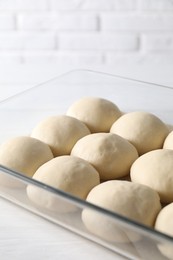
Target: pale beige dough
[
  {"x": 110, "y": 154},
  {"x": 132, "y": 200},
  {"x": 60, "y": 133},
  {"x": 155, "y": 169},
  {"x": 23, "y": 154},
  {"x": 168, "y": 143},
  {"x": 97, "y": 113},
  {"x": 144, "y": 130},
  {"x": 164, "y": 224},
  {"x": 67, "y": 173}
]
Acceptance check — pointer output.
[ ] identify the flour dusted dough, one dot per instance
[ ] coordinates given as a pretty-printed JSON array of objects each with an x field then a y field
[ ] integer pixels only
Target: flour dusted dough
[
  {"x": 67, "y": 173},
  {"x": 110, "y": 154},
  {"x": 97, "y": 113},
  {"x": 155, "y": 169},
  {"x": 144, "y": 130},
  {"x": 164, "y": 223},
  {"x": 60, "y": 133},
  {"x": 23, "y": 154},
  {"x": 132, "y": 200}
]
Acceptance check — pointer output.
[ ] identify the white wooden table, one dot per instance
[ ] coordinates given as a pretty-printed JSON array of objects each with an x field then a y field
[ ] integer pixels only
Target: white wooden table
[{"x": 24, "y": 235}]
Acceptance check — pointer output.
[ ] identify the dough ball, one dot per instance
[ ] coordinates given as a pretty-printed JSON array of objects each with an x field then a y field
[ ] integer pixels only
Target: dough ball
[
  {"x": 132, "y": 200},
  {"x": 164, "y": 224},
  {"x": 23, "y": 154},
  {"x": 67, "y": 173},
  {"x": 97, "y": 113},
  {"x": 60, "y": 133},
  {"x": 155, "y": 169},
  {"x": 144, "y": 130},
  {"x": 110, "y": 154},
  {"x": 168, "y": 143}
]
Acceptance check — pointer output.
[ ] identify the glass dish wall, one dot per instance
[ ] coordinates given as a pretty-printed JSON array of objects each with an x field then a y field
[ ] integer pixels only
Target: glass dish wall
[{"x": 20, "y": 114}]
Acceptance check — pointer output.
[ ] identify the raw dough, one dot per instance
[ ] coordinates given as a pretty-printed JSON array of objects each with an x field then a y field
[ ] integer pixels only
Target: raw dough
[
  {"x": 164, "y": 224},
  {"x": 168, "y": 143},
  {"x": 67, "y": 173},
  {"x": 97, "y": 113},
  {"x": 155, "y": 169},
  {"x": 144, "y": 130},
  {"x": 132, "y": 200},
  {"x": 60, "y": 133},
  {"x": 23, "y": 154},
  {"x": 110, "y": 154}
]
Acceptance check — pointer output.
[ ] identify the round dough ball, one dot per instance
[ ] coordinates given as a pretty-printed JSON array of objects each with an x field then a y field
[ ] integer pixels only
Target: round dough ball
[
  {"x": 67, "y": 173},
  {"x": 164, "y": 224},
  {"x": 144, "y": 130},
  {"x": 132, "y": 200},
  {"x": 168, "y": 143},
  {"x": 155, "y": 169},
  {"x": 23, "y": 154},
  {"x": 60, "y": 133},
  {"x": 110, "y": 154},
  {"x": 97, "y": 113}
]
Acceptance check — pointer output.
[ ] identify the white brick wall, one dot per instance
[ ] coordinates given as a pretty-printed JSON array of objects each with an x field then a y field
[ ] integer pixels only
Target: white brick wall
[
  {"x": 137, "y": 22},
  {"x": 85, "y": 32},
  {"x": 27, "y": 41},
  {"x": 158, "y": 42},
  {"x": 57, "y": 21},
  {"x": 152, "y": 5},
  {"x": 7, "y": 22},
  {"x": 98, "y": 41},
  {"x": 96, "y": 5},
  {"x": 23, "y": 5}
]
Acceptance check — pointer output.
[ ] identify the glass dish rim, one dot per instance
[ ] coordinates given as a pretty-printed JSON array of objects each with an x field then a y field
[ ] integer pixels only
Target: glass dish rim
[
  {"x": 129, "y": 223},
  {"x": 155, "y": 234}
]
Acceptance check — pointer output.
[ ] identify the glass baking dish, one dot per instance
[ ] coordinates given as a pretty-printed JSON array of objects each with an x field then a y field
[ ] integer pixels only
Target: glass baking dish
[{"x": 20, "y": 113}]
